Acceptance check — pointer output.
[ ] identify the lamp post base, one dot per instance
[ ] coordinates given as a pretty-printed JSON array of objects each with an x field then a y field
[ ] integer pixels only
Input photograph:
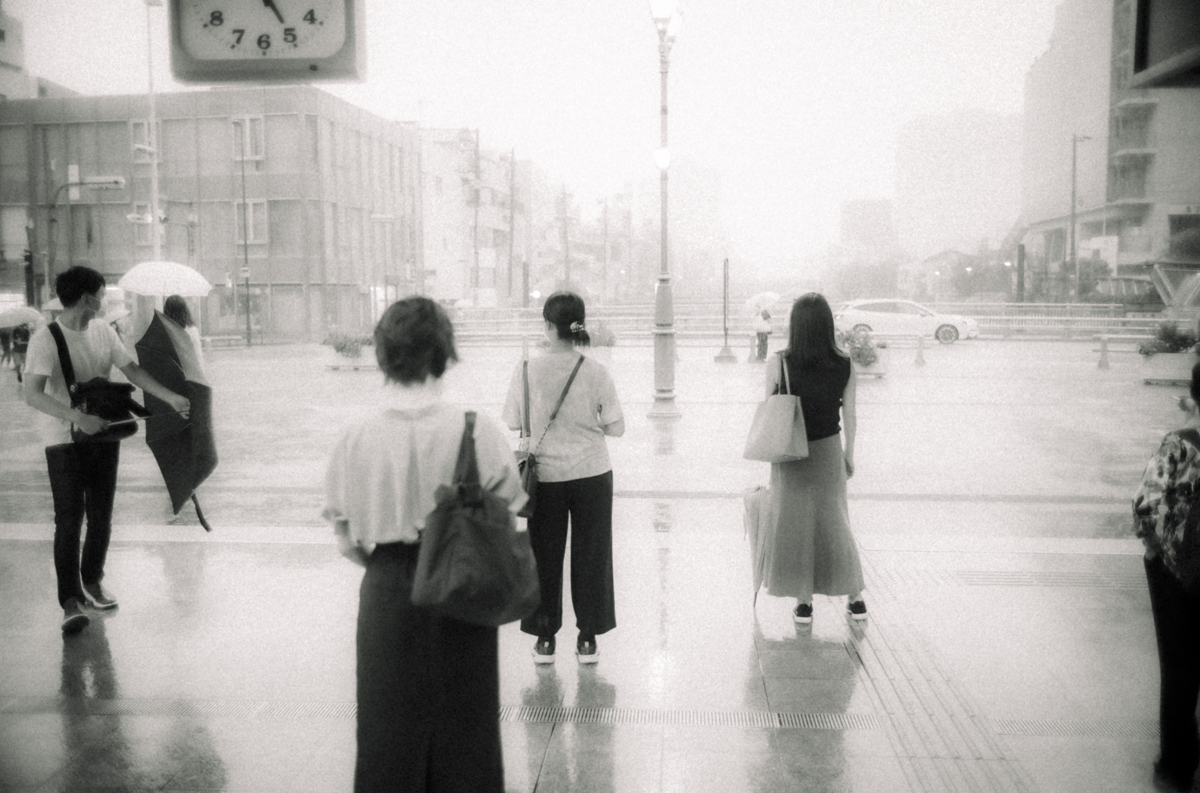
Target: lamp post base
[
  {"x": 725, "y": 355},
  {"x": 664, "y": 407}
]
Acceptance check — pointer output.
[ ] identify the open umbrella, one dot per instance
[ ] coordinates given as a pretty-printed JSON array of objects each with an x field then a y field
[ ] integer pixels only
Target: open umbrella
[
  {"x": 761, "y": 302},
  {"x": 184, "y": 448},
  {"x": 164, "y": 278},
  {"x": 21, "y": 315}
]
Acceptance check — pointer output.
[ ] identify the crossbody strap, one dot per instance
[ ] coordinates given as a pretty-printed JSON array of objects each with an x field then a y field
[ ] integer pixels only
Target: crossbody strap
[
  {"x": 526, "y": 430},
  {"x": 785, "y": 380},
  {"x": 466, "y": 470},
  {"x": 64, "y": 360},
  {"x": 561, "y": 397}
]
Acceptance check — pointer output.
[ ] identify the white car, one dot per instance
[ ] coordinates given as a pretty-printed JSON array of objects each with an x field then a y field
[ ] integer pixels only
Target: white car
[{"x": 903, "y": 318}]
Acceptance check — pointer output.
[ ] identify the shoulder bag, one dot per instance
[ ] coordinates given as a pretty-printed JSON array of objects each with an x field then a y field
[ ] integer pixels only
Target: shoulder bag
[
  {"x": 98, "y": 397},
  {"x": 778, "y": 434},
  {"x": 526, "y": 458},
  {"x": 473, "y": 565}
]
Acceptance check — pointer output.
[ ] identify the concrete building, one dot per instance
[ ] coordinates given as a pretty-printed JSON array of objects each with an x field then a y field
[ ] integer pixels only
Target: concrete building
[
  {"x": 958, "y": 180},
  {"x": 1137, "y": 181},
  {"x": 476, "y": 219},
  {"x": 15, "y": 81},
  {"x": 311, "y": 200}
]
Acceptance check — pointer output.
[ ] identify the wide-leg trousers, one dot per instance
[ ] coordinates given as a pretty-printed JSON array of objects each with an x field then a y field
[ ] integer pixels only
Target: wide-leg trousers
[
  {"x": 83, "y": 481},
  {"x": 428, "y": 690},
  {"x": 587, "y": 505},
  {"x": 1177, "y": 626}
]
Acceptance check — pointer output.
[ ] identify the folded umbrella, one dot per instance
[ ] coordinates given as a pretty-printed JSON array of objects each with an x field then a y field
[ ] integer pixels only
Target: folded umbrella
[{"x": 184, "y": 448}]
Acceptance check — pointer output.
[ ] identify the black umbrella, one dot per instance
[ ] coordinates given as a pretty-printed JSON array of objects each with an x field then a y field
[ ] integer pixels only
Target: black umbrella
[{"x": 185, "y": 448}]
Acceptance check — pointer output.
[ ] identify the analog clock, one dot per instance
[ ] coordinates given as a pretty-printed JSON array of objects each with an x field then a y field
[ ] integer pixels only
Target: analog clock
[{"x": 257, "y": 40}]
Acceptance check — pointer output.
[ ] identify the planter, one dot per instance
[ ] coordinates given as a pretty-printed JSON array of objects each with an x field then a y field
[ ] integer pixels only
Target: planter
[
  {"x": 336, "y": 361},
  {"x": 1168, "y": 368},
  {"x": 877, "y": 369}
]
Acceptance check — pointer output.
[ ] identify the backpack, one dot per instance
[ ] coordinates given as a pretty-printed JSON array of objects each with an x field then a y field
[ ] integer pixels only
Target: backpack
[{"x": 474, "y": 566}]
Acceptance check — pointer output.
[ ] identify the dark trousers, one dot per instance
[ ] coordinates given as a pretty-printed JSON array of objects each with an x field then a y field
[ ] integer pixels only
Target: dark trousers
[
  {"x": 428, "y": 690},
  {"x": 761, "y": 339},
  {"x": 1177, "y": 625},
  {"x": 83, "y": 480},
  {"x": 588, "y": 505}
]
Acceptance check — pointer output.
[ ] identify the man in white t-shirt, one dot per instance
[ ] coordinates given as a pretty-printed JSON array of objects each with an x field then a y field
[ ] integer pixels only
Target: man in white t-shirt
[{"x": 83, "y": 476}]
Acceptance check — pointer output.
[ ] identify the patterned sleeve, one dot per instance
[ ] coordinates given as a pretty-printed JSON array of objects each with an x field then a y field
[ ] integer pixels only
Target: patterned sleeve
[{"x": 1152, "y": 501}]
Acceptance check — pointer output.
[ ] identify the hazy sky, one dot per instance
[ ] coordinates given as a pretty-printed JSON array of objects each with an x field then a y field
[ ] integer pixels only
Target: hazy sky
[{"x": 796, "y": 103}]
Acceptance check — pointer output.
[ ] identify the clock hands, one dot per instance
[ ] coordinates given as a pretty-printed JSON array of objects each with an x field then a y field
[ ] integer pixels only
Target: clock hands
[{"x": 271, "y": 5}]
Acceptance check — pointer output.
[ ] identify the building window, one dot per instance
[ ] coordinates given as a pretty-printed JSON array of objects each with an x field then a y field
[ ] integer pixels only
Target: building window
[
  {"x": 256, "y": 224},
  {"x": 142, "y": 145},
  {"x": 248, "y": 138},
  {"x": 141, "y": 229}
]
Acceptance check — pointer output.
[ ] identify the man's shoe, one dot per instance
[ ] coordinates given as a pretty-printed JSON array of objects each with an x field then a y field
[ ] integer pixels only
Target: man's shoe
[
  {"x": 802, "y": 614},
  {"x": 586, "y": 650},
  {"x": 858, "y": 610},
  {"x": 74, "y": 620},
  {"x": 543, "y": 651},
  {"x": 101, "y": 599}
]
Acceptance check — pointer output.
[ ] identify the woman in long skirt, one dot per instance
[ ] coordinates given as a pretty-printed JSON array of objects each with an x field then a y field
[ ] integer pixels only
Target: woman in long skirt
[
  {"x": 428, "y": 686},
  {"x": 810, "y": 549}
]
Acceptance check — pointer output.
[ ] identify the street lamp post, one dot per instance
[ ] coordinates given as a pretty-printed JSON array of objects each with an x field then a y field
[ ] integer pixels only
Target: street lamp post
[
  {"x": 98, "y": 182},
  {"x": 1075, "y": 141},
  {"x": 667, "y": 20}
]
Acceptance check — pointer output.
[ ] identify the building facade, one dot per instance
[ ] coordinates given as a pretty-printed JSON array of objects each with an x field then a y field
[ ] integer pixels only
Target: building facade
[{"x": 312, "y": 202}]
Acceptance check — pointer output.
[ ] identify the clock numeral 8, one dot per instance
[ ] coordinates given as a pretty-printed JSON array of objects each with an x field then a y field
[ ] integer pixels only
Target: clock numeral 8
[
  {"x": 264, "y": 42},
  {"x": 216, "y": 19}
]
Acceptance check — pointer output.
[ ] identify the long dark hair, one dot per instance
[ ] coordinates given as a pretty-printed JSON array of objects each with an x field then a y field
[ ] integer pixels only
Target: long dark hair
[
  {"x": 812, "y": 340},
  {"x": 565, "y": 311},
  {"x": 176, "y": 308}
]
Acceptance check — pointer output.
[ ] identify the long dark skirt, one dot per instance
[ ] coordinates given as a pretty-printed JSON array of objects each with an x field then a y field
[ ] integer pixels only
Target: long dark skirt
[
  {"x": 428, "y": 690},
  {"x": 811, "y": 550}
]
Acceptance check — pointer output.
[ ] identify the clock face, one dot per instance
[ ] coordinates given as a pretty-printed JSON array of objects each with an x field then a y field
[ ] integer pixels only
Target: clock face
[{"x": 261, "y": 30}]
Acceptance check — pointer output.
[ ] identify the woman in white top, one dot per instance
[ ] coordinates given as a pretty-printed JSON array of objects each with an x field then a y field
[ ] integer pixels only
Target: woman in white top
[
  {"x": 574, "y": 478},
  {"x": 428, "y": 686}
]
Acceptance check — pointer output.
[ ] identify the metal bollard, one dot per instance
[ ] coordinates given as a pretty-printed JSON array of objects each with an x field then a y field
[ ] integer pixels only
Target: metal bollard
[
  {"x": 920, "y": 359},
  {"x": 1103, "y": 353}
]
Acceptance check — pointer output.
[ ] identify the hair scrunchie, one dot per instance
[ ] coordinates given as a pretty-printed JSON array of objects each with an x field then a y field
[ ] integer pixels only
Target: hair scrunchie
[{"x": 576, "y": 327}]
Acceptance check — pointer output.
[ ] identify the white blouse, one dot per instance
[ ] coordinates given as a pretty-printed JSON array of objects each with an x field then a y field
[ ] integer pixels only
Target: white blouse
[{"x": 384, "y": 472}]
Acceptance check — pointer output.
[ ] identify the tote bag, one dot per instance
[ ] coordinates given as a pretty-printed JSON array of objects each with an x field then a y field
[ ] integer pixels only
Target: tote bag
[{"x": 778, "y": 434}]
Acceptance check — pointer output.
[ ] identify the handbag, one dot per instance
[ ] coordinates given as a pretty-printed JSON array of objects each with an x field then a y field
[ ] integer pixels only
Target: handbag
[
  {"x": 98, "y": 397},
  {"x": 527, "y": 458},
  {"x": 473, "y": 565},
  {"x": 777, "y": 434}
]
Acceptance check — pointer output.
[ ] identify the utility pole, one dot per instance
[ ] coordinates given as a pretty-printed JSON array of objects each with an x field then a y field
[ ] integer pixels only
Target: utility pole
[
  {"x": 512, "y": 214},
  {"x": 566, "y": 241},
  {"x": 604, "y": 282},
  {"x": 475, "y": 228},
  {"x": 1075, "y": 141}
]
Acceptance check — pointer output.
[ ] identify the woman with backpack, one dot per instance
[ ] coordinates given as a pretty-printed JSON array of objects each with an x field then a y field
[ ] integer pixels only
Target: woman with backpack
[
  {"x": 1163, "y": 519},
  {"x": 427, "y": 685},
  {"x": 572, "y": 406}
]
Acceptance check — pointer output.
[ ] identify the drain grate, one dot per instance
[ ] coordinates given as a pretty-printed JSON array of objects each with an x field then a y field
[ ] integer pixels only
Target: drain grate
[{"x": 1137, "y": 730}]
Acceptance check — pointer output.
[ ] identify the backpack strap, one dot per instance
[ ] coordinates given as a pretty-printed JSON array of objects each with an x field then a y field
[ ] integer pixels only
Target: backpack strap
[{"x": 64, "y": 361}]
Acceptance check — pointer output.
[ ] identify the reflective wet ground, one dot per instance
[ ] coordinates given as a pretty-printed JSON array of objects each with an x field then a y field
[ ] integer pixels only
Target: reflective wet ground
[{"x": 1009, "y": 645}]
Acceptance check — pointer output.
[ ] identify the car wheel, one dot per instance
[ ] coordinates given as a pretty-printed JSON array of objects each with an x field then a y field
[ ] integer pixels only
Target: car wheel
[
  {"x": 947, "y": 334},
  {"x": 861, "y": 328}
]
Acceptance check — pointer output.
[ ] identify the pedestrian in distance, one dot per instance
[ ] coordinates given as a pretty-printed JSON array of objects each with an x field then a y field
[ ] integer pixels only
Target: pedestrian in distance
[
  {"x": 1163, "y": 519},
  {"x": 175, "y": 308},
  {"x": 5, "y": 346},
  {"x": 83, "y": 476},
  {"x": 20, "y": 348},
  {"x": 812, "y": 550},
  {"x": 575, "y": 479},
  {"x": 762, "y": 330},
  {"x": 428, "y": 686}
]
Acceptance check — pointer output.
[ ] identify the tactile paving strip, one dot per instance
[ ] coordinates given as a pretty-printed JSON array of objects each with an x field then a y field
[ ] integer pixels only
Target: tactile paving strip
[
  {"x": 1136, "y": 730},
  {"x": 1005, "y": 578}
]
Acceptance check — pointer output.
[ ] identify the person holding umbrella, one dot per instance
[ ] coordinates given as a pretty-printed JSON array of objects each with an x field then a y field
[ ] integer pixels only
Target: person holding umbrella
[
  {"x": 83, "y": 476},
  {"x": 20, "y": 348}
]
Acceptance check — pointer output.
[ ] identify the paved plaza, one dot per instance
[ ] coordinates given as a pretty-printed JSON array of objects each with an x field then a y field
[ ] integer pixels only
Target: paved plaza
[{"x": 1009, "y": 645}]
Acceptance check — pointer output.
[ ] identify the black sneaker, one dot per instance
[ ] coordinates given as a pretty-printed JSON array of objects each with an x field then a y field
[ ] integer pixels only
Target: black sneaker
[
  {"x": 543, "y": 651},
  {"x": 74, "y": 620},
  {"x": 802, "y": 614},
  {"x": 858, "y": 610},
  {"x": 101, "y": 598},
  {"x": 586, "y": 650}
]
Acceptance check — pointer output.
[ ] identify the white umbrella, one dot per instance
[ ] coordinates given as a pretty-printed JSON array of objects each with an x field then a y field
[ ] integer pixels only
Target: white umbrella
[
  {"x": 164, "y": 278},
  {"x": 761, "y": 301},
  {"x": 21, "y": 315},
  {"x": 54, "y": 305}
]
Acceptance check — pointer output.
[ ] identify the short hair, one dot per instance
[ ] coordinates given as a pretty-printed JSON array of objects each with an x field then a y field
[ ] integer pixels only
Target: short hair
[
  {"x": 75, "y": 282},
  {"x": 176, "y": 308},
  {"x": 565, "y": 311},
  {"x": 413, "y": 340}
]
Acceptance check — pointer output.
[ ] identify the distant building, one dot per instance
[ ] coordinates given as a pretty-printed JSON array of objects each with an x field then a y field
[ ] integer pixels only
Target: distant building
[
  {"x": 1137, "y": 175},
  {"x": 15, "y": 82},
  {"x": 958, "y": 180},
  {"x": 311, "y": 199}
]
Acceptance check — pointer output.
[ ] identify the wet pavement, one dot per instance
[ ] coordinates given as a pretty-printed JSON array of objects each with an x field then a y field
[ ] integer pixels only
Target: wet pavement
[{"x": 1009, "y": 645}]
